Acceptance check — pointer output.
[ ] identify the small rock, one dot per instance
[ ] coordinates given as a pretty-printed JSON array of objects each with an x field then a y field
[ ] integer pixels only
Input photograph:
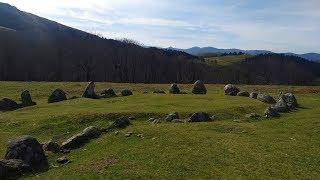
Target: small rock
[
  {"x": 156, "y": 121},
  {"x": 270, "y": 113},
  {"x": 128, "y": 134},
  {"x": 231, "y": 90},
  {"x": 213, "y": 117},
  {"x": 57, "y": 96},
  {"x": 51, "y": 146},
  {"x": 174, "y": 89},
  {"x": 266, "y": 98},
  {"x": 151, "y": 119},
  {"x": 116, "y": 133},
  {"x": 243, "y": 93},
  {"x": 62, "y": 160},
  {"x": 253, "y": 95},
  {"x": 108, "y": 93},
  {"x": 140, "y": 136},
  {"x": 252, "y": 116},
  {"x": 121, "y": 122},
  {"x": 199, "y": 117},
  {"x": 172, "y": 116},
  {"x": 199, "y": 88},
  {"x": 159, "y": 91},
  {"x": 126, "y": 92}
]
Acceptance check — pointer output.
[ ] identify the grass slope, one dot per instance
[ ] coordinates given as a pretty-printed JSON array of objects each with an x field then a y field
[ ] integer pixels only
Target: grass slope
[
  {"x": 230, "y": 147},
  {"x": 226, "y": 60}
]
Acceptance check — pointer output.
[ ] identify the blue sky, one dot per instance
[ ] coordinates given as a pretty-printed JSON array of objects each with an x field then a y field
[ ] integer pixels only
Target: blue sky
[{"x": 277, "y": 25}]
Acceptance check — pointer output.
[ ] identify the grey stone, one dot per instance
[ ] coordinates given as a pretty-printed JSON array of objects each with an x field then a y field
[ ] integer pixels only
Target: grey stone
[
  {"x": 13, "y": 168},
  {"x": 252, "y": 116},
  {"x": 121, "y": 122},
  {"x": 243, "y": 93},
  {"x": 7, "y": 104},
  {"x": 75, "y": 141},
  {"x": 199, "y": 88},
  {"x": 62, "y": 160},
  {"x": 172, "y": 116},
  {"x": 231, "y": 90},
  {"x": 108, "y": 93},
  {"x": 254, "y": 95},
  {"x": 174, "y": 89},
  {"x": 158, "y": 91},
  {"x": 92, "y": 132},
  {"x": 51, "y": 146},
  {"x": 26, "y": 99},
  {"x": 89, "y": 92},
  {"x": 199, "y": 117},
  {"x": 29, "y": 150},
  {"x": 57, "y": 95},
  {"x": 126, "y": 92},
  {"x": 270, "y": 113},
  {"x": 266, "y": 98},
  {"x": 290, "y": 100}
]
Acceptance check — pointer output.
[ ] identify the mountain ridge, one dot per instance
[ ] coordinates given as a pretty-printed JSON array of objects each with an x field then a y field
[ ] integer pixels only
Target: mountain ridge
[{"x": 206, "y": 50}]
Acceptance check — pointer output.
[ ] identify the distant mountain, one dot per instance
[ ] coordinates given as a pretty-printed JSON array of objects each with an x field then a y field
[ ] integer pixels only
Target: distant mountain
[{"x": 207, "y": 50}]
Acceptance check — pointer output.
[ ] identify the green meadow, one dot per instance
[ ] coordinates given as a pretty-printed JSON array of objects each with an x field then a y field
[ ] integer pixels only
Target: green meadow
[{"x": 230, "y": 147}]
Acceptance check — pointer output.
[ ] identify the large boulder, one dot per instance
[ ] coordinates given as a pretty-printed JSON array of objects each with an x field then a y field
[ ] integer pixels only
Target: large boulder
[
  {"x": 172, "y": 116},
  {"x": 174, "y": 89},
  {"x": 7, "y": 104},
  {"x": 281, "y": 106},
  {"x": 290, "y": 100},
  {"x": 266, "y": 98},
  {"x": 199, "y": 117},
  {"x": 271, "y": 112},
  {"x": 243, "y": 93},
  {"x": 29, "y": 150},
  {"x": 108, "y": 93},
  {"x": 126, "y": 92},
  {"x": 26, "y": 99},
  {"x": 13, "y": 168},
  {"x": 57, "y": 96},
  {"x": 254, "y": 95},
  {"x": 89, "y": 91},
  {"x": 199, "y": 88},
  {"x": 231, "y": 90},
  {"x": 121, "y": 122}
]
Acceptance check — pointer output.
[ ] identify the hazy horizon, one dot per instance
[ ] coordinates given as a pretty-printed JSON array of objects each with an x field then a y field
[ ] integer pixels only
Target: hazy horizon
[{"x": 279, "y": 26}]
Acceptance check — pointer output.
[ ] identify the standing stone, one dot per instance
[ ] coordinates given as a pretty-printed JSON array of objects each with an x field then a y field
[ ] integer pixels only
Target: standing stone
[
  {"x": 29, "y": 150},
  {"x": 199, "y": 88},
  {"x": 290, "y": 100},
  {"x": 7, "y": 104},
  {"x": 89, "y": 91},
  {"x": 254, "y": 95},
  {"x": 57, "y": 96},
  {"x": 231, "y": 90},
  {"x": 271, "y": 112},
  {"x": 199, "y": 117},
  {"x": 174, "y": 89},
  {"x": 26, "y": 99},
  {"x": 266, "y": 98},
  {"x": 126, "y": 92}
]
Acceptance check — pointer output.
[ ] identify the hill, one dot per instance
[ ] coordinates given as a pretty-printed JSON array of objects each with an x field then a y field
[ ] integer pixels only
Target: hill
[
  {"x": 207, "y": 50},
  {"x": 33, "y": 48}
]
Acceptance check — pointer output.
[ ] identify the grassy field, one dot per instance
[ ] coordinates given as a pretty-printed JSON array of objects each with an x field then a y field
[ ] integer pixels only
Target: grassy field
[
  {"x": 226, "y": 60},
  {"x": 229, "y": 147}
]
